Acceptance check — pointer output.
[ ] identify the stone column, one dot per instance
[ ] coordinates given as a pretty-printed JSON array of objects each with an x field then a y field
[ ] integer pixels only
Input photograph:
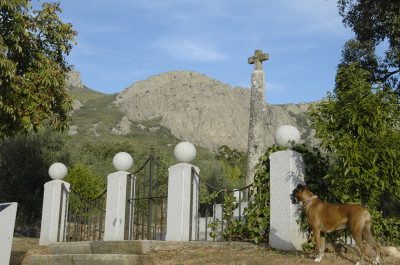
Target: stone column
[
  {"x": 257, "y": 114},
  {"x": 286, "y": 171},
  {"x": 183, "y": 188},
  {"x": 54, "y": 206},
  {"x": 8, "y": 212},
  {"x": 117, "y": 207}
]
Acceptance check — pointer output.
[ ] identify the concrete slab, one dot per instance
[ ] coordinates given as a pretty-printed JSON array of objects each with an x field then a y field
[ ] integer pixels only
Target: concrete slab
[{"x": 8, "y": 212}]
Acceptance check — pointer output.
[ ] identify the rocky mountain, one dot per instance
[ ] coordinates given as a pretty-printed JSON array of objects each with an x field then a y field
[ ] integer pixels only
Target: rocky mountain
[{"x": 201, "y": 110}]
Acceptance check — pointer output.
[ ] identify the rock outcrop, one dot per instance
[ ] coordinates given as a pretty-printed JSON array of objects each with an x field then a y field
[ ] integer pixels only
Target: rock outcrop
[
  {"x": 203, "y": 110},
  {"x": 74, "y": 79},
  {"x": 123, "y": 127}
]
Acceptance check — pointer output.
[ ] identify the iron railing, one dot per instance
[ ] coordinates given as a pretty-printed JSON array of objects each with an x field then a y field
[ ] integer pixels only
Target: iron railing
[
  {"x": 148, "y": 201},
  {"x": 211, "y": 220},
  {"x": 84, "y": 218}
]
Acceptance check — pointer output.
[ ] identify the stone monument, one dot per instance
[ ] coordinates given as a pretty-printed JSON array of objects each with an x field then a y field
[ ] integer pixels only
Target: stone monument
[
  {"x": 8, "y": 212},
  {"x": 257, "y": 109},
  {"x": 183, "y": 187},
  {"x": 286, "y": 171}
]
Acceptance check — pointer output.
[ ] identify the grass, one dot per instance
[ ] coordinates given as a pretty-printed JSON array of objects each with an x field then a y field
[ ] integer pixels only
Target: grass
[{"x": 85, "y": 93}]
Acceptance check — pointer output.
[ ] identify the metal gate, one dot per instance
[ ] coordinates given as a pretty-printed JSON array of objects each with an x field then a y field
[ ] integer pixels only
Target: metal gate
[
  {"x": 148, "y": 201},
  {"x": 84, "y": 218}
]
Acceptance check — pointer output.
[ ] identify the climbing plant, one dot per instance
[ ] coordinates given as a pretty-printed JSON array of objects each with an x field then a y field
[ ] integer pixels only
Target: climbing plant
[{"x": 256, "y": 223}]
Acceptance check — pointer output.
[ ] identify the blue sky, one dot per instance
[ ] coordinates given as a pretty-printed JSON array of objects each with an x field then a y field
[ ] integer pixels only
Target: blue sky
[{"x": 124, "y": 41}]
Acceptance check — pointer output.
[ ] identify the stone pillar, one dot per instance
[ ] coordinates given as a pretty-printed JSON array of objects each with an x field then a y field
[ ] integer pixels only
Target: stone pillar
[
  {"x": 286, "y": 171},
  {"x": 117, "y": 207},
  {"x": 8, "y": 212},
  {"x": 256, "y": 146},
  {"x": 54, "y": 206},
  {"x": 183, "y": 188}
]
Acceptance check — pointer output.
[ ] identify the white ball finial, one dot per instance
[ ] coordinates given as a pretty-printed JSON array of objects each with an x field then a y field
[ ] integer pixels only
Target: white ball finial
[
  {"x": 122, "y": 161},
  {"x": 286, "y": 135},
  {"x": 185, "y": 152},
  {"x": 58, "y": 171}
]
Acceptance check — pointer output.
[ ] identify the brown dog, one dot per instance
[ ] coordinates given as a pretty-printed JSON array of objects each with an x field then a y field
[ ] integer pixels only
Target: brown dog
[{"x": 325, "y": 217}]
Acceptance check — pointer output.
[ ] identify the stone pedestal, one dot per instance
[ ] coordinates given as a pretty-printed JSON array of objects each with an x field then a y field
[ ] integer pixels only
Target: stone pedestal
[
  {"x": 182, "y": 210},
  {"x": 53, "y": 213},
  {"x": 286, "y": 171},
  {"x": 8, "y": 212},
  {"x": 117, "y": 208}
]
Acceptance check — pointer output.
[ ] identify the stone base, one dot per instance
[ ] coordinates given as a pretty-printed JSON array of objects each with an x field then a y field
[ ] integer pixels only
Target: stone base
[{"x": 287, "y": 170}]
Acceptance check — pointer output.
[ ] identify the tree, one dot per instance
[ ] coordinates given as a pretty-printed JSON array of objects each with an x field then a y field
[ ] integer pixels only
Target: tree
[
  {"x": 24, "y": 165},
  {"x": 33, "y": 47},
  {"x": 85, "y": 182},
  {"x": 359, "y": 124},
  {"x": 234, "y": 163},
  {"x": 373, "y": 22}
]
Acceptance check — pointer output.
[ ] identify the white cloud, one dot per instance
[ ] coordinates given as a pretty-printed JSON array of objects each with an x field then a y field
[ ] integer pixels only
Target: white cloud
[{"x": 189, "y": 50}]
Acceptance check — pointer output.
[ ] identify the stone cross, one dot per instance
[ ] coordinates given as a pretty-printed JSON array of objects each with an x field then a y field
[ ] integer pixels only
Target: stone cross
[
  {"x": 258, "y": 58},
  {"x": 256, "y": 135}
]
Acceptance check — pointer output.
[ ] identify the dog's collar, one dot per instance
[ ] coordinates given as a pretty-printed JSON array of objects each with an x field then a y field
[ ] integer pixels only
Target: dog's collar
[{"x": 308, "y": 201}]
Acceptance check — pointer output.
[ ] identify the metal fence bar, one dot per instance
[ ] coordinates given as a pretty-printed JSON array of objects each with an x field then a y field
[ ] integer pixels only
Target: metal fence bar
[{"x": 150, "y": 200}]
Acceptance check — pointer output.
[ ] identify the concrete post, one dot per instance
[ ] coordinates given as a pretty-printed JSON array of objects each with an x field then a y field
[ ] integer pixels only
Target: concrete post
[
  {"x": 8, "y": 212},
  {"x": 117, "y": 208},
  {"x": 53, "y": 213},
  {"x": 182, "y": 208},
  {"x": 118, "y": 192},
  {"x": 286, "y": 171}
]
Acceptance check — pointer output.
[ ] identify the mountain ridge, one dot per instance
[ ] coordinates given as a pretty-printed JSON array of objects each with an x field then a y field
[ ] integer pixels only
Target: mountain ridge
[{"x": 202, "y": 110}]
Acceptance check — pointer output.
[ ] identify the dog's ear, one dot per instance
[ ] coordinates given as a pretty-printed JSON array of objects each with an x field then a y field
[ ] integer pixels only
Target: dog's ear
[{"x": 300, "y": 187}]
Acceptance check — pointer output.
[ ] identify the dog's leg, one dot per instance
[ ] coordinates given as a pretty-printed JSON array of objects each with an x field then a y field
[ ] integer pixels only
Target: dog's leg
[
  {"x": 367, "y": 235},
  {"x": 318, "y": 245},
  {"x": 356, "y": 232},
  {"x": 322, "y": 250}
]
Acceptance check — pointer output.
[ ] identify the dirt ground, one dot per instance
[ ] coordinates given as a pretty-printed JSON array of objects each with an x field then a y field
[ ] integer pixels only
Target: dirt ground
[
  {"x": 23, "y": 248},
  {"x": 258, "y": 256}
]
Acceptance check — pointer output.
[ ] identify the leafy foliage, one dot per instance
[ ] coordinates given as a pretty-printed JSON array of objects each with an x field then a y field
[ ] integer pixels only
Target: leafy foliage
[
  {"x": 234, "y": 163},
  {"x": 373, "y": 22},
  {"x": 98, "y": 156},
  {"x": 86, "y": 183},
  {"x": 33, "y": 46},
  {"x": 257, "y": 214},
  {"x": 359, "y": 124}
]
